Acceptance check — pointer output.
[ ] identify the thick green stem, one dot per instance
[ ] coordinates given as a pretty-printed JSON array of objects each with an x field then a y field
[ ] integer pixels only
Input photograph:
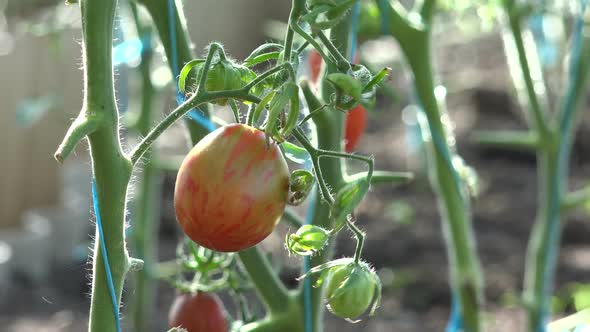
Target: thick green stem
[
  {"x": 111, "y": 168},
  {"x": 464, "y": 265},
  {"x": 466, "y": 280},
  {"x": 145, "y": 210},
  {"x": 297, "y": 6},
  {"x": 269, "y": 287},
  {"x": 552, "y": 178},
  {"x": 287, "y": 321},
  {"x": 531, "y": 75},
  {"x": 508, "y": 139},
  {"x": 543, "y": 235},
  {"x": 329, "y": 137}
]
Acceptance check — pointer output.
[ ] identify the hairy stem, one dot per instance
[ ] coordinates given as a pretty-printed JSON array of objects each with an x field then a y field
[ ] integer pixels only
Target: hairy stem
[
  {"x": 145, "y": 210},
  {"x": 111, "y": 168}
]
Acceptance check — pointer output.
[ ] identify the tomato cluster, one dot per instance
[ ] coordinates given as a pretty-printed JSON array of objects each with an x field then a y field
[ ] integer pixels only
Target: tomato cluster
[{"x": 231, "y": 189}]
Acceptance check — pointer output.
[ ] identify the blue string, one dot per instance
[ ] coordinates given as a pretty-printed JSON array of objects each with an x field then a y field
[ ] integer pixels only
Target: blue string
[
  {"x": 565, "y": 127},
  {"x": 384, "y": 11},
  {"x": 105, "y": 257},
  {"x": 455, "y": 321},
  {"x": 195, "y": 114},
  {"x": 356, "y": 10}
]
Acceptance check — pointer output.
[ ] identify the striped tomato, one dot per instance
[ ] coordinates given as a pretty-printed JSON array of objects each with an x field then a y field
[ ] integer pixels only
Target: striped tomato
[{"x": 231, "y": 189}]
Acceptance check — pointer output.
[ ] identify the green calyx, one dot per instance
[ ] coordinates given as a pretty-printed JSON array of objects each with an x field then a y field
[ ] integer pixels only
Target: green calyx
[{"x": 308, "y": 240}]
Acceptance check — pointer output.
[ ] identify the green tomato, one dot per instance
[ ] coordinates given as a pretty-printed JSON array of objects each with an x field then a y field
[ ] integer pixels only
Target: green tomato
[{"x": 350, "y": 289}]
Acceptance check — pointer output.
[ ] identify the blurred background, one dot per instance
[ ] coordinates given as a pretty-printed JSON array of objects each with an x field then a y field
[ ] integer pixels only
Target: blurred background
[{"x": 45, "y": 227}]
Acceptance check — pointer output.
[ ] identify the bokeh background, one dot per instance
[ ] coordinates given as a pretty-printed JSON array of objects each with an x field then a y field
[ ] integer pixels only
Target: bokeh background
[{"x": 45, "y": 220}]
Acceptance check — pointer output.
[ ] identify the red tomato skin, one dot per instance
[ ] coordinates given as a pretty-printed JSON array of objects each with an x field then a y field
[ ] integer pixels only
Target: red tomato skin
[
  {"x": 231, "y": 190},
  {"x": 199, "y": 312},
  {"x": 315, "y": 64},
  {"x": 355, "y": 125}
]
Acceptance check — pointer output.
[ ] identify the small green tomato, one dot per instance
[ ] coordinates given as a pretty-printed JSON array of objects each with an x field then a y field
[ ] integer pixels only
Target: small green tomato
[{"x": 351, "y": 289}]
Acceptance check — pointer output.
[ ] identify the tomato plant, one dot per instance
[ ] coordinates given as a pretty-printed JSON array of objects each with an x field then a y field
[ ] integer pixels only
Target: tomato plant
[
  {"x": 198, "y": 312},
  {"x": 231, "y": 189},
  {"x": 233, "y": 186}
]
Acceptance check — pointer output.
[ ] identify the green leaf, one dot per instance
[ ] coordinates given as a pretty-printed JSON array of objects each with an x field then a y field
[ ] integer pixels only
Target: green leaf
[
  {"x": 582, "y": 297},
  {"x": 372, "y": 84},
  {"x": 293, "y": 114},
  {"x": 346, "y": 200},
  {"x": 261, "y": 49},
  {"x": 186, "y": 70},
  {"x": 262, "y": 58},
  {"x": 326, "y": 14},
  {"x": 277, "y": 104},
  {"x": 295, "y": 153},
  {"x": 260, "y": 107}
]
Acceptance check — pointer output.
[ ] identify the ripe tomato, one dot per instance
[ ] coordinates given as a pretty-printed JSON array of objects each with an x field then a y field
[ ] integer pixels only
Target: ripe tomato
[
  {"x": 356, "y": 118},
  {"x": 199, "y": 312},
  {"x": 315, "y": 64},
  {"x": 231, "y": 189},
  {"x": 356, "y": 122}
]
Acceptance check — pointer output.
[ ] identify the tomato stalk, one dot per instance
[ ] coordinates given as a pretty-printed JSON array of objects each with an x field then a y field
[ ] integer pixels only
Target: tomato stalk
[
  {"x": 99, "y": 122},
  {"x": 330, "y": 137},
  {"x": 145, "y": 211},
  {"x": 466, "y": 280},
  {"x": 553, "y": 147},
  {"x": 341, "y": 62}
]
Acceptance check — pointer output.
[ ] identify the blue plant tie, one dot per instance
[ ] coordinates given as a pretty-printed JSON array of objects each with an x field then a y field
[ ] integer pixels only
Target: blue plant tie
[
  {"x": 384, "y": 11},
  {"x": 455, "y": 321},
  {"x": 354, "y": 26},
  {"x": 195, "y": 114},
  {"x": 105, "y": 257}
]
